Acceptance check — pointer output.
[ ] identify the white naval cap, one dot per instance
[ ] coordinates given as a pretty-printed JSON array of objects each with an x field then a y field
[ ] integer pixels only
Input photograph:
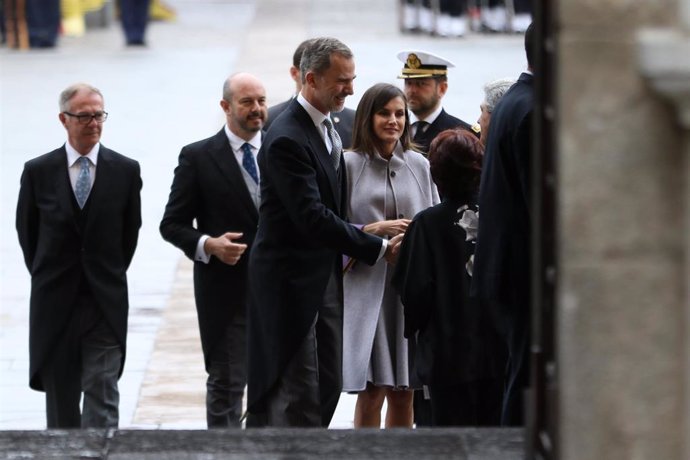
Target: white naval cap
[{"x": 422, "y": 64}]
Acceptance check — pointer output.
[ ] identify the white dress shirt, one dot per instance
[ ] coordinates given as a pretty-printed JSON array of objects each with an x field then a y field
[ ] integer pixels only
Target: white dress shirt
[
  {"x": 73, "y": 167},
  {"x": 430, "y": 119}
]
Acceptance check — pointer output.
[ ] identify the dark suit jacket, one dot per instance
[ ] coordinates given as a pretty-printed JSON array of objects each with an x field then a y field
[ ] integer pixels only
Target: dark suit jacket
[
  {"x": 60, "y": 253},
  {"x": 441, "y": 123},
  {"x": 301, "y": 237},
  {"x": 343, "y": 121},
  {"x": 502, "y": 260},
  {"x": 208, "y": 187}
]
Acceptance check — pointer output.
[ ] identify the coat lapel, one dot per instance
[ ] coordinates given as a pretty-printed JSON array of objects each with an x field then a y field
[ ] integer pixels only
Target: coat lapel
[
  {"x": 104, "y": 184},
  {"x": 321, "y": 152},
  {"x": 63, "y": 187},
  {"x": 224, "y": 158}
]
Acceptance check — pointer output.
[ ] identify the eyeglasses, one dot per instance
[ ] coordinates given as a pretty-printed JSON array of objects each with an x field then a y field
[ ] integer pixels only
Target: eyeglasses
[{"x": 85, "y": 118}]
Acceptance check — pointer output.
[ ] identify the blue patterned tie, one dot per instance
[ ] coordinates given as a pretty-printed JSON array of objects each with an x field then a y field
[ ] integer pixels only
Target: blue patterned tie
[
  {"x": 83, "y": 185},
  {"x": 336, "y": 143},
  {"x": 248, "y": 162}
]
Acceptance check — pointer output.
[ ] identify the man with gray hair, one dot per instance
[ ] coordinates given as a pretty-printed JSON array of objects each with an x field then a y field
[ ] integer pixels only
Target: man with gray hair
[
  {"x": 493, "y": 92},
  {"x": 295, "y": 310},
  {"x": 78, "y": 220}
]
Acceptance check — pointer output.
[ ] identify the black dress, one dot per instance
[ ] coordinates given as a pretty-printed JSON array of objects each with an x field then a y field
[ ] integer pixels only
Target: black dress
[{"x": 459, "y": 354}]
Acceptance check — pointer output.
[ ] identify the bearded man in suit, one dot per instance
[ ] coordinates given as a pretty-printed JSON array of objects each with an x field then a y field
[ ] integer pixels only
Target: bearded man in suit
[
  {"x": 295, "y": 316},
  {"x": 78, "y": 220},
  {"x": 342, "y": 120},
  {"x": 426, "y": 82},
  {"x": 212, "y": 215}
]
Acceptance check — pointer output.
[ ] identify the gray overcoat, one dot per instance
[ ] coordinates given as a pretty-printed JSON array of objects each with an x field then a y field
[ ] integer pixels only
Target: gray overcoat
[{"x": 365, "y": 286}]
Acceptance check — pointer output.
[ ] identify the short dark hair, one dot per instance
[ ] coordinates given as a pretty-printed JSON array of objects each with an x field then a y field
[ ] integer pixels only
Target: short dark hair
[
  {"x": 299, "y": 51},
  {"x": 455, "y": 156},
  {"x": 317, "y": 55},
  {"x": 373, "y": 100},
  {"x": 529, "y": 45}
]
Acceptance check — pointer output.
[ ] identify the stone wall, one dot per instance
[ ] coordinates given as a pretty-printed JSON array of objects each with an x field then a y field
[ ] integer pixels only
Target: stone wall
[{"x": 623, "y": 235}]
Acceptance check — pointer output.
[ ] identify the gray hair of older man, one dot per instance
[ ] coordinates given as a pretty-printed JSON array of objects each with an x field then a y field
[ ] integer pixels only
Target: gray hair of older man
[
  {"x": 494, "y": 91},
  {"x": 68, "y": 93},
  {"x": 317, "y": 55}
]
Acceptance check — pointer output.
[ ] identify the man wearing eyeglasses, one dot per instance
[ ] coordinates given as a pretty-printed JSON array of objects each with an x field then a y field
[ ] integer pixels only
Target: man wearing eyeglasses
[{"x": 78, "y": 220}]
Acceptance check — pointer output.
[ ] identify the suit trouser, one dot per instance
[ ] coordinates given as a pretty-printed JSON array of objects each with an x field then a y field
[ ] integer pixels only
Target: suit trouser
[
  {"x": 86, "y": 359},
  {"x": 134, "y": 15},
  {"x": 520, "y": 6},
  {"x": 517, "y": 378},
  {"x": 307, "y": 392},
  {"x": 476, "y": 403},
  {"x": 513, "y": 323},
  {"x": 43, "y": 20},
  {"x": 227, "y": 377}
]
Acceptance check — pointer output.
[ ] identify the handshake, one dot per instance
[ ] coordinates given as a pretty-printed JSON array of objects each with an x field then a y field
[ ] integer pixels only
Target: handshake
[
  {"x": 393, "y": 249},
  {"x": 393, "y": 229}
]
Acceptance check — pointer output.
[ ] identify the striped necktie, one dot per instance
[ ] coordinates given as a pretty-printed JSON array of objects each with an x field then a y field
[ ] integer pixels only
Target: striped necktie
[{"x": 337, "y": 144}]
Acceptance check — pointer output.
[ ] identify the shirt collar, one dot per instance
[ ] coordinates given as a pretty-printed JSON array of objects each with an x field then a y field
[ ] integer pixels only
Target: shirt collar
[
  {"x": 73, "y": 155},
  {"x": 236, "y": 141},
  {"x": 315, "y": 114},
  {"x": 430, "y": 119}
]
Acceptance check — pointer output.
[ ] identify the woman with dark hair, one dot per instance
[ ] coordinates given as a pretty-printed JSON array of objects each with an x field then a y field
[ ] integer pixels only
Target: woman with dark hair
[
  {"x": 388, "y": 183},
  {"x": 458, "y": 354}
]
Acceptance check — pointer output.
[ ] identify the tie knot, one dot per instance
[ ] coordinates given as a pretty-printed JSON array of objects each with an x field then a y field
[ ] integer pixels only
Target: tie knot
[
  {"x": 84, "y": 162},
  {"x": 246, "y": 148}
]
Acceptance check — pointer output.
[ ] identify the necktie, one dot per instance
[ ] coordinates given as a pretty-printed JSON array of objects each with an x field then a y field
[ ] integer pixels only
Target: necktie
[
  {"x": 420, "y": 128},
  {"x": 337, "y": 144},
  {"x": 248, "y": 162},
  {"x": 83, "y": 185}
]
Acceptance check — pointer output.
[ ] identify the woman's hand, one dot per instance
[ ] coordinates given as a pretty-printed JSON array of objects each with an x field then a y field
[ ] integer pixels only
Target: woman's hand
[{"x": 389, "y": 228}]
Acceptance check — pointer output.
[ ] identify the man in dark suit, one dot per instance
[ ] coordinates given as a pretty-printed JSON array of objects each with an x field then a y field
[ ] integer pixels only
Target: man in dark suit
[
  {"x": 295, "y": 267},
  {"x": 502, "y": 258},
  {"x": 78, "y": 220},
  {"x": 426, "y": 82},
  {"x": 342, "y": 121},
  {"x": 212, "y": 217}
]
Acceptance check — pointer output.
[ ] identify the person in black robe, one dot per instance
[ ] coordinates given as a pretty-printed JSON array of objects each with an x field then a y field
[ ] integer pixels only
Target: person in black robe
[{"x": 459, "y": 355}]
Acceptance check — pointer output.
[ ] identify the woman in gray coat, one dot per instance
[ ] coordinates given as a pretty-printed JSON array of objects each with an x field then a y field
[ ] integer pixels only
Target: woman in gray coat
[{"x": 388, "y": 183}]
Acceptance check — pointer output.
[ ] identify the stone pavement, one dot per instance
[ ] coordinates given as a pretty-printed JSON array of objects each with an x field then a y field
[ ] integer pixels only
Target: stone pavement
[{"x": 159, "y": 99}]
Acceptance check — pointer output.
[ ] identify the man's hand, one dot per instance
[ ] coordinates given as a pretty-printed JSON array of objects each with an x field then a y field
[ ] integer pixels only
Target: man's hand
[
  {"x": 224, "y": 249},
  {"x": 393, "y": 249}
]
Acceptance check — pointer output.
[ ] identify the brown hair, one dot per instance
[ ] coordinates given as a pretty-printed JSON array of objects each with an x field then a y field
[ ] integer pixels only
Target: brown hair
[
  {"x": 455, "y": 156},
  {"x": 374, "y": 99}
]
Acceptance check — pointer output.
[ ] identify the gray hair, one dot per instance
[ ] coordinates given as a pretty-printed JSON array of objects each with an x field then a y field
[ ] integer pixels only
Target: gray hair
[
  {"x": 317, "y": 55},
  {"x": 68, "y": 93},
  {"x": 494, "y": 91},
  {"x": 227, "y": 88}
]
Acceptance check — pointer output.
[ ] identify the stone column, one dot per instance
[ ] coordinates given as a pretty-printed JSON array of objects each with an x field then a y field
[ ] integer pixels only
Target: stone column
[
  {"x": 664, "y": 59},
  {"x": 624, "y": 226}
]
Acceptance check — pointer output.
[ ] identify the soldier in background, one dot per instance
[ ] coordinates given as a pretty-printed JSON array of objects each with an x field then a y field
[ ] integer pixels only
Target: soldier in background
[{"x": 426, "y": 82}]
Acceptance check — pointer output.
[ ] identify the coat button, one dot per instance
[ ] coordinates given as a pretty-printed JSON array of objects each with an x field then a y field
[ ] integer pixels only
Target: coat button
[{"x": 392, "y": 173}]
